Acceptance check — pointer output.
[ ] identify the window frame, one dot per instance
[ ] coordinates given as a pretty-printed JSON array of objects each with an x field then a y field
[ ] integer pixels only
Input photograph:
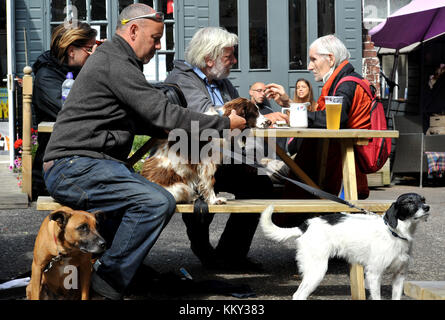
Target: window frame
[
  {"x": 112, "y": 16},
  {"x": 88, "y": 20}
]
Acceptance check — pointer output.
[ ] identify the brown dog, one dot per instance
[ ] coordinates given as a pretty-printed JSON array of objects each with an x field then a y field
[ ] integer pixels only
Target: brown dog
[{"x": 62, "y": 255}]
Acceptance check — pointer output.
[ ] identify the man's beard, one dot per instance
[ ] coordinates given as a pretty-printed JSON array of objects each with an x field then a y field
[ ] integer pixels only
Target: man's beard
[{"x": 218, "y": 71}]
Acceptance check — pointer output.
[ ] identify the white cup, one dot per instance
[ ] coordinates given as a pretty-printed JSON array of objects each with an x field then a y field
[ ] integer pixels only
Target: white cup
[{"x": 297, "y": 113}]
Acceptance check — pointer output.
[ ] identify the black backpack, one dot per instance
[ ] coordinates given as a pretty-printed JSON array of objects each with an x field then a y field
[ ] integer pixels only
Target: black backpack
[
  {"x": 172, "y": 92},
  {"x": 175, "y": 96}
]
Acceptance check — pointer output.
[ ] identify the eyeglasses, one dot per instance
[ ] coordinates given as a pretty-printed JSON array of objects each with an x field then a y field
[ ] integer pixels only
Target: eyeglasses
[
  {"x": 88, "y": 49},
  {"x": 259, "y": 90},
  {"x": 157, "y": 16}
]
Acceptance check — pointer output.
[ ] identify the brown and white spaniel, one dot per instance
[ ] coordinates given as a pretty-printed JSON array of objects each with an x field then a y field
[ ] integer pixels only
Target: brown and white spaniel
[{"x": 186, "y": 180}]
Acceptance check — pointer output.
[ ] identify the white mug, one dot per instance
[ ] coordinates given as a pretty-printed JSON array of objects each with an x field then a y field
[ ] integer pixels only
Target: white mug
[{"x": 297, "y": 113}]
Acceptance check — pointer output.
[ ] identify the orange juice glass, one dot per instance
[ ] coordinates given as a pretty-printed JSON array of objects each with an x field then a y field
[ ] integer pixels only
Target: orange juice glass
[{"x": 333, "y": 112}]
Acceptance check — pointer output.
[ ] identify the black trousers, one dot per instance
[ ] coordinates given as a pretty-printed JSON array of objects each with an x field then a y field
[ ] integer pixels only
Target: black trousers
[
  {"x": 38, "y": 185},
  {"x": 245, "y": 183}
]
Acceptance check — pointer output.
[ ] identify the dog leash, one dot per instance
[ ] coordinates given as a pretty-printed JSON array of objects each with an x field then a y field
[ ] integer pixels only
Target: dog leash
[{"x": 314, "y": 191}]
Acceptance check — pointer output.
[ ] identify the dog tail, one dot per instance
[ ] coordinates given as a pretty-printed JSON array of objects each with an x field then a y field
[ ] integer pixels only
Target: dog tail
[{"x": 274, "y": 232}]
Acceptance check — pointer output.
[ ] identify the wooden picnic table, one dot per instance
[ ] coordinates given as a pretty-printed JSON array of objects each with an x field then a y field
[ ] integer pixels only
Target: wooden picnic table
[{"x": 347, "y": 138}]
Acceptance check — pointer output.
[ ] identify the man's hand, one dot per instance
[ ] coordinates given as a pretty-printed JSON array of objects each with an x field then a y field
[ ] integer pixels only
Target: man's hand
[
  {"x": 277, "y": 92},
  {"x": 277, "y": 116},
  {"x": 236, "y": 122}
]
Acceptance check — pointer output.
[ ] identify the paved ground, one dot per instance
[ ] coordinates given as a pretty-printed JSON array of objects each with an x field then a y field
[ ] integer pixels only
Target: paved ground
[{"x": 278, "y": 281}]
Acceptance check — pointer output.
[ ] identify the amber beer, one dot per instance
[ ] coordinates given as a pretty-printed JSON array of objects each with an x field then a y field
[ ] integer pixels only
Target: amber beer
[{"x": 333, "y": 112}]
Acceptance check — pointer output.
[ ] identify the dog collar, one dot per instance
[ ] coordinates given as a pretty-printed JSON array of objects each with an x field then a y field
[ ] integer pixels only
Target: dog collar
[
  {"x": 54, "y": 259},
  {"x": 395, "y": 234}
]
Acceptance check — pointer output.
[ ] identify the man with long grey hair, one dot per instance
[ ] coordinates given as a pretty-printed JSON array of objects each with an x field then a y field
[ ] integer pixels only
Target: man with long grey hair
[
  {"x": 203, "y": 75},
  {"x": 202, "y": 78}
]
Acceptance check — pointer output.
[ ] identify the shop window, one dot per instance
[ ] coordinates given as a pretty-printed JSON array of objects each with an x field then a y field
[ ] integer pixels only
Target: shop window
[
  {"x": 97, "y": 14},
  {"x": 159, "y": 66},
  {"x": 376, "y": 11},
  {"x": 94, "y": 12},
  {"x": 297, "y": 35},
  {"x": 228, "y": 19},
  {"x": 401, "y": 76},
  {"x": 325, "y": 17},
  {"x": 258, "y": 36}
]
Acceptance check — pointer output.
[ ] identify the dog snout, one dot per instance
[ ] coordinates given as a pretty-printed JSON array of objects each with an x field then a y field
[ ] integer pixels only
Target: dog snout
[
  {"x": 101, "y": 244},
  {"x": 426, "y": 208}
]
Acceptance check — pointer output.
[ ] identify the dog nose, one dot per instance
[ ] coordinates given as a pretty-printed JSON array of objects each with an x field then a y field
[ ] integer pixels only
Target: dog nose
[
  {"x": 102, "y": 244},
  {"x": 426, "y": 208}
]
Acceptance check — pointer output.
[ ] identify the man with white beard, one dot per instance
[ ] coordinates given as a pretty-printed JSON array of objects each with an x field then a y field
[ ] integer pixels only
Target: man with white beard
[{"x": 202, "y": 77}]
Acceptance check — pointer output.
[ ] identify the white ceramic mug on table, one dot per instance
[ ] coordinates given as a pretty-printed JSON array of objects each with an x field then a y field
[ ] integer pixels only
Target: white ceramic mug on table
[{"x": 297, "y": 113}]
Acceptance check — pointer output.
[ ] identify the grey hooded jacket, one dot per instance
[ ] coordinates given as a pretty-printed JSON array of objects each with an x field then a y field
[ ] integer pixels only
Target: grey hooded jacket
[{"x": 194, "y": 88}]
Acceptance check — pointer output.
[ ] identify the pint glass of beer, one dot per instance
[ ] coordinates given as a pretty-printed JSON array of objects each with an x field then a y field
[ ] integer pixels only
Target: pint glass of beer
[{"x": 333, "y": 112}]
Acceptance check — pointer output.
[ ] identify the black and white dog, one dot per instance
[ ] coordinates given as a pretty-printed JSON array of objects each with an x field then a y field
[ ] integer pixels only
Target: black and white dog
[{"x": 377, "y": 243}]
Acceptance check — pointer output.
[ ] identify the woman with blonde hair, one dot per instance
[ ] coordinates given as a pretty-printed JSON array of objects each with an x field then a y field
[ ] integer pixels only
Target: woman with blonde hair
[{"x": 71, "y": 46}]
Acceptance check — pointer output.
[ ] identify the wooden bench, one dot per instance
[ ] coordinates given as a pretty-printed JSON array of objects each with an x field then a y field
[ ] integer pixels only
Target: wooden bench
[
  {"x": 425, "y": 290},
  {"x": 257, "y": 206}
]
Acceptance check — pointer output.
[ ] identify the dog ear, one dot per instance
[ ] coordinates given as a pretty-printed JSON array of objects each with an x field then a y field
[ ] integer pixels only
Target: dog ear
[
  {"x": 100, "y": 216},
  {"x": 391, "y": 215},
  {"x": 61, "y": 216}
]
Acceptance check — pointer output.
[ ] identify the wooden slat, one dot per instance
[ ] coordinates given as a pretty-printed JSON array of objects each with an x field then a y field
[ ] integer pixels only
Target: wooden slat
[
  {"x": 297, "y": 132},
  {"x": 257, "y": 206},
  {"x": 323, "y": 133},
  {"x": 425, "y": 290},
  {"x": 45, "y": 127}
]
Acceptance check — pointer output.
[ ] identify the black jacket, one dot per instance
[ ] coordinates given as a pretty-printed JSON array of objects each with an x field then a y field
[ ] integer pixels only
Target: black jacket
[
  {"x": 46, "y": 104},
  {"x": 48, "y": 78}
]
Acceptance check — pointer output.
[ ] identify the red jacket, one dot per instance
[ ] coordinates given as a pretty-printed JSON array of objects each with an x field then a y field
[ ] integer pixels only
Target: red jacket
[{"x": 355, "y": 114}]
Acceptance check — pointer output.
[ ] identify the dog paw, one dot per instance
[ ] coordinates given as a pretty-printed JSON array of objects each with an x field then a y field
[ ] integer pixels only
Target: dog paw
[{"x": 219, "y": 200}]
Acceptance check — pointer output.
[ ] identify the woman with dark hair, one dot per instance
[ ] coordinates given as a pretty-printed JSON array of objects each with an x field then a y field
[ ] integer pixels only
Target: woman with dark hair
[
  {"x": 70, "y": 48},
  {"x": 304, "y": 93}
]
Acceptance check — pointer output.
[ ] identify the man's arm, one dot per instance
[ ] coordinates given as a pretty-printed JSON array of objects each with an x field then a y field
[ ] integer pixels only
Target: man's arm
[{"x": 194, "y": 90}]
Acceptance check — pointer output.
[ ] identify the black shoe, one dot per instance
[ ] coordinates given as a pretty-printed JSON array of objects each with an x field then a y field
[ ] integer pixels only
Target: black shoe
[
  {"x": 205, "y": 253},
  {"x": 101, "y": 287},
  {"x": 230, "y": 264},
  {"x": 144, "y": 278}
]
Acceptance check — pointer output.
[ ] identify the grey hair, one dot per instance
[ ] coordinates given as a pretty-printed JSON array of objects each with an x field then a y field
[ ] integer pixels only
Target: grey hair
[
  {"x": 132, "y": 11},
  {"x": 209, "y": 42},
  {"x": 330, "y": 44}
]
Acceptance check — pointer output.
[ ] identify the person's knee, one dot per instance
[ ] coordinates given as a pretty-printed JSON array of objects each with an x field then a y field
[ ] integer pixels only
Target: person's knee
[{"x": 164, "y": 202}]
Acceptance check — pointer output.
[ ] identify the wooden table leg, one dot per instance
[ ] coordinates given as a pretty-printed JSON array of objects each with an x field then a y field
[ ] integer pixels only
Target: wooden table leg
[
  {"x": 357, "y": 277},
  {"x": 294, "y": 167},
  {"x": 323, "y": 150}
]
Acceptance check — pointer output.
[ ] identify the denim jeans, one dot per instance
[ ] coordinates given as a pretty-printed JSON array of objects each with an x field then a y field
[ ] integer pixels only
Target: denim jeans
[{"x": 143, "y": 209}]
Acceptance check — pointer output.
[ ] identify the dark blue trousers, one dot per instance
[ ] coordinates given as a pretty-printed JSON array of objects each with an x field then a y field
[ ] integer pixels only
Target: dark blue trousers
[{"x": 142, "y": 209}]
